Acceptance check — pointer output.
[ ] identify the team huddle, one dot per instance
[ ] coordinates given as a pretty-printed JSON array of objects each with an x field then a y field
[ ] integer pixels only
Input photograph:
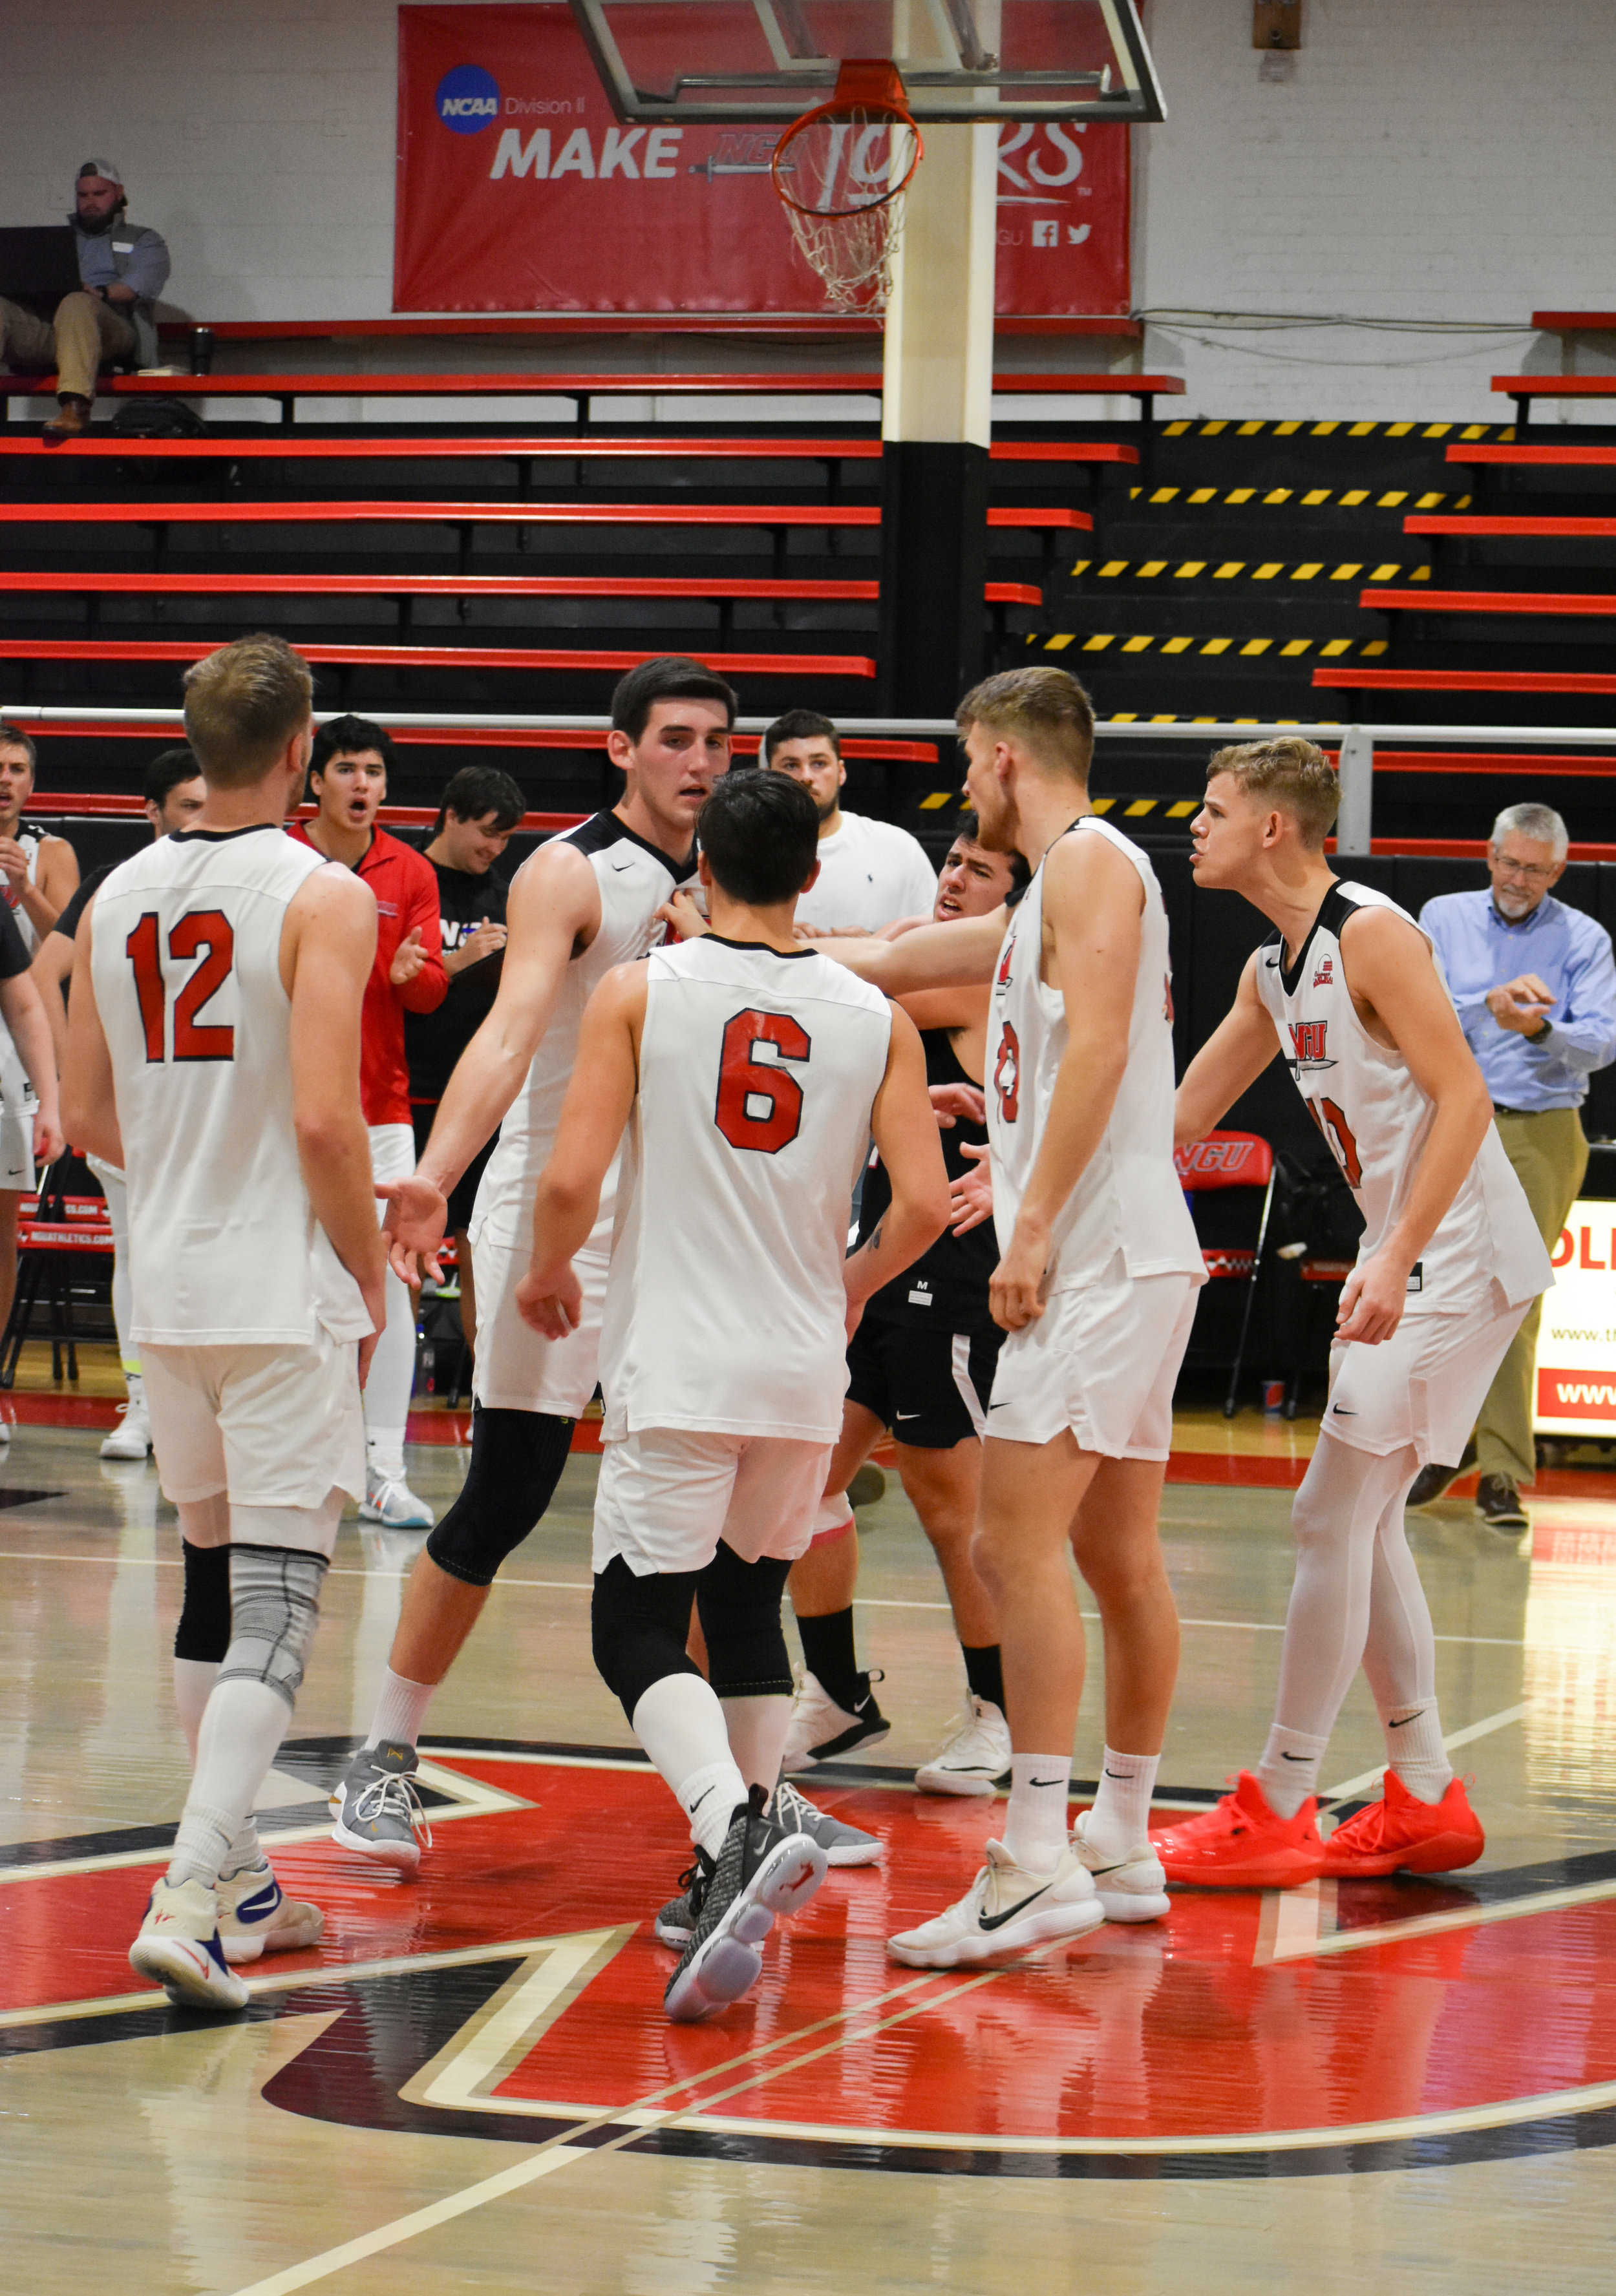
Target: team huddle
[{"x": 686, "y": 1091}]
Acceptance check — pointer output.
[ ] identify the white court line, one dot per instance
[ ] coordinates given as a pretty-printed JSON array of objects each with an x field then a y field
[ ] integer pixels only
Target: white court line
[
  {"x": 1295, "y": 1946},
  {"x": 1483, "y": 1729}
]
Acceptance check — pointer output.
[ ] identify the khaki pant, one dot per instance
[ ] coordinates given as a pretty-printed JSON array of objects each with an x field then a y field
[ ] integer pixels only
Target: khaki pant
[
  {"x": 86, "y": 331},
  {"x": 1550, "y": 1157}
]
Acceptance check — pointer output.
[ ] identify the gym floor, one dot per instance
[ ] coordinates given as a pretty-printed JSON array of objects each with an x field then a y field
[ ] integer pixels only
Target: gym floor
[{"x": 469, "y": 2083}]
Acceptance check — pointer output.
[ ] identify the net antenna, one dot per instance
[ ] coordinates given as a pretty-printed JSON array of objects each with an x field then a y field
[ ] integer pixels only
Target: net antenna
[{"x": 842, "y": 172}]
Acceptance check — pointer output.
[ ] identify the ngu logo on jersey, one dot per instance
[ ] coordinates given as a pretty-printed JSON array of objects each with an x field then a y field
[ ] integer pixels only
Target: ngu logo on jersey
[{"x": 467, "y": 100}]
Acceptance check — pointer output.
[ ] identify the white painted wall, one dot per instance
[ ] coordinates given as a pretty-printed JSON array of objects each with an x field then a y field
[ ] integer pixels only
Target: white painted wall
[{"x": 1430, "y": 159}]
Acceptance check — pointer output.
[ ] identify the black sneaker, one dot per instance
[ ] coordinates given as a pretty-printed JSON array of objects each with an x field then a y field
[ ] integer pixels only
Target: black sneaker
[
  {"x": 761, "y": 1871},
  {"x": 1498, "y": 1505},
  {"x": 1432, "y": 1482},
  {"x": 676, "y": 1924}
]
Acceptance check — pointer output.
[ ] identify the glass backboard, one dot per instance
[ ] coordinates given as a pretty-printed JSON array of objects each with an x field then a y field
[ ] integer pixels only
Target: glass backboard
[{"x": 764, "y": 60}]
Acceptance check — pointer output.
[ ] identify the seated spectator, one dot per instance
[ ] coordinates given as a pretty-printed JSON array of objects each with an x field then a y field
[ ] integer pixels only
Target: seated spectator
[
  {"x": 124, "y": 269},
  {"x": 481, "y": 808},
  {"x": 871, "y": 873},
  {"x": 1535, "y": 985},
  {"x": 173, "y": 798}
]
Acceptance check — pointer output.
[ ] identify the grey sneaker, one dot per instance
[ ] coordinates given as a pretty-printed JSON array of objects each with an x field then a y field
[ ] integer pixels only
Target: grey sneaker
[
  {"x": 676, "y": 1924},
  {"x": 377, "y": 1809},
  {"x": 761, "y": 1871},
  {"x": 843, "y": 1845}
]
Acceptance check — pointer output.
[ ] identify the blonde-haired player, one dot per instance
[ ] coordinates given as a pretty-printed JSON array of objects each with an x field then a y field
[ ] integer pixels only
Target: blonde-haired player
[
  {"x": 1348, "y": 992},
  {"x": 213, "y": 1055}
]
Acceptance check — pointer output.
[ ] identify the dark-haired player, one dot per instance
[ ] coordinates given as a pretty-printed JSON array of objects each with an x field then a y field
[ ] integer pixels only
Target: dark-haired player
[
  {"x": 870, "y": 872},
  {"x": 348, "y": 781},
  {"x": 173, "y": 795},
  {"x": 1348, "y": 992},
  {"x": 585, "y": 902},
  {"x": 742, "y": 1075},
  {"x": 480, "y": 809}
]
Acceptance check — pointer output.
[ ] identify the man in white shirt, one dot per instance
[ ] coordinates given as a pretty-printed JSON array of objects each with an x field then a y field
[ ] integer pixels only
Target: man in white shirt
[{"x": 871, "y": 873}]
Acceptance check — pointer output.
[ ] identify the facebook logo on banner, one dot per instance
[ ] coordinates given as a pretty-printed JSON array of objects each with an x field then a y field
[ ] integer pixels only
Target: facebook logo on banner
[{"x": 467, "y": 99}]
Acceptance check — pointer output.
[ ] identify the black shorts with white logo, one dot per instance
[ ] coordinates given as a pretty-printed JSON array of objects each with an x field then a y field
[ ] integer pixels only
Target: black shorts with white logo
[{"x": 929, "y": 1387}]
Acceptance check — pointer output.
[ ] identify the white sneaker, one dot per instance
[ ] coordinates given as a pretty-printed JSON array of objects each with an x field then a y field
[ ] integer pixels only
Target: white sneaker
[
  {"x": 256, "y": 1917},
  {"x": 820, "y": 1731},
  {"x": 975, "y": 1756},
  {"x": 1005, "y": 1910},
  {"x": 388, "y": 1499},
  {"x": 179, "y": 1945},
  {"x": 1132, "y": 1888},
  {"x": 132, "y": 1439}
]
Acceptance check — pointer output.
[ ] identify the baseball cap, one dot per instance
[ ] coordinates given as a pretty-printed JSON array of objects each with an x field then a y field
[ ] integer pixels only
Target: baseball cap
[{"x": 103, "y": 169}]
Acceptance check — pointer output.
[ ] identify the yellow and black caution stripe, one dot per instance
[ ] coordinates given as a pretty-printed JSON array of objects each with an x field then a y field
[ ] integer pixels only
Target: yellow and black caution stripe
[
  {"x": 1305, "y": 498},
  {"x": 1133, "y": 809},
  {"x": 1283, "y": 649},
  {"x": 1499, "y": 432},
  {"x": 1262, "y": 570}
]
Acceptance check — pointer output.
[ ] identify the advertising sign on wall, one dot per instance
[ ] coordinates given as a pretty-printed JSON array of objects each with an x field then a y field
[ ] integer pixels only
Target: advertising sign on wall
[
  {"x": 518, "y": 190},
  {"x": 1575, "y": 1365}
]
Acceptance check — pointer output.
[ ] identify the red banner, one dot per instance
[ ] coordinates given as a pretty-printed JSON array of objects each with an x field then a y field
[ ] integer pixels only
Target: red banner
[{"x": 519, "y": 192}]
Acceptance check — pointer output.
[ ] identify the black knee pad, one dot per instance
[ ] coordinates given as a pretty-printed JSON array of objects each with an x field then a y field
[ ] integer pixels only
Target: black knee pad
[
  {"x": 740, "y": 1606},
  {"x": 204, "y": 1632},
  {"x": 517, "y": 1457},
  {"x": 639, "y": 1628}
]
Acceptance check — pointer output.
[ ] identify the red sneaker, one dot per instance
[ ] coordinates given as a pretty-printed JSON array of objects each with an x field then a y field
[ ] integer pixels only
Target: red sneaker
[
  {"x": 1404, "y": 1835},
  {"x": 1242, "y": 1845}
]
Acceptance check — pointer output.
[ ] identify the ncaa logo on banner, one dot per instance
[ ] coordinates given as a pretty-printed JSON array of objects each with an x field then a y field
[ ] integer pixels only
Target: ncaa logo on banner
[{"x": 467, "y": 99}]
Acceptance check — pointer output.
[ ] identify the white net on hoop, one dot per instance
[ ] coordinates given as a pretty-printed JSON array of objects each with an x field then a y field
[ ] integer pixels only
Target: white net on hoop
[{"x": 841, "y": 182}]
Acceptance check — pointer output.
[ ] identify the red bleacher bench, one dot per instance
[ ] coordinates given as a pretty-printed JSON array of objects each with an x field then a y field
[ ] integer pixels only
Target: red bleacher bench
[
  {"x": 1527, "y": 523},
  {"x": 1467, "y": 681},
  {"x": 1100, "y": 451},
  {"x": 1525, "y": 458},
  {"x": 387, "y": 657},
  {"x": 538, "y": 322},
  {"x": 497, "y": 514},
  {"x": 1523, "y": 388},
  {"x": 87, "y": 1226},
  {"x": 486, "y": 585},
  {"x": 1490, "y": 602}
]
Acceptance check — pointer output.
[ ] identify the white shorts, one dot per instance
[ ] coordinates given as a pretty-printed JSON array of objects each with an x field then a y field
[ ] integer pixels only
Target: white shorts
[
  {"x": 1421, "y": 1387},
  {"x": 1103, "y": 1361},
  {"x": 517, "y": 1368},
  {"x": 18, "y": 1105},
  {"x": 271, "y": 1426},
  {"x": 668, "y": 1495},
  {"x": 392, "y": 1155}
]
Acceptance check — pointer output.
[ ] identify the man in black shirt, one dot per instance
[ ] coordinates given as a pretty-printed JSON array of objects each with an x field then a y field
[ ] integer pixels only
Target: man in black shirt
[{"x": 481, "y": 808}]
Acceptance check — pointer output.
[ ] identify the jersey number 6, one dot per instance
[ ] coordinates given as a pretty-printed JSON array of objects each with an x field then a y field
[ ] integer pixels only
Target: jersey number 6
[
  {"x": 203, "y": 929},
  {"x": 760, "y": 1106}
]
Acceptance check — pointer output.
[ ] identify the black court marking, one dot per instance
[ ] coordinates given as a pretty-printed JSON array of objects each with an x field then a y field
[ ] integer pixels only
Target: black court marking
[{"x": 17, "y": 1495}]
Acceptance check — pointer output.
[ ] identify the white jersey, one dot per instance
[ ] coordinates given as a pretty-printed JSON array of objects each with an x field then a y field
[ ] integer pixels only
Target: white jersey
[
  {"x": 725, "y": 1304},
  {"x": 871, "y": 873},
  {"x": 1376, "y": 1120},
  {"x": 635, "y": 878},
  {"x": 1128, "y": 1198},
  {"x": 185, "y": 955},
  {"x": 17, "y": 1094}
]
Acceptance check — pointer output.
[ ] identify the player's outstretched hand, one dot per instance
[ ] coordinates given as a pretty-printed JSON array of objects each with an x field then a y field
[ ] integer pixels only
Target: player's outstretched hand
[
  {"x": 413, "y": 1229},
  {"x": 556, "y": 1311},
  {"x": 971, "y": 1195},
  {"x": 49, "y": 1139},
  {"x": 408, "y": 959},
  {"x": 956, "y": 1100},
  {"x": 1372, "y": 1303},
  {"x": 682, "y": 917},
  {"x": 1015, "y": 1294}
]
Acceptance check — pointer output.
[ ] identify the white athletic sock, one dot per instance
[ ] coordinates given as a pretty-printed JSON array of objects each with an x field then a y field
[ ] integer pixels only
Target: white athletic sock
[
  {"x": 1415, "y": 1749},
  {"x": 240, "y": 1736},
  {"x": 193, "y": 1681},
  {"x": 1288, "y": 1772},
  {"x": 384, "y": 1452},
  {"x": 1119, "y": 1820},
  {"x": 680, "y": 1724},
  {"x": 1035, "y": 1825},
  {"x": 757, "y": 1729},
  {"x": 400, "y": 1710}
]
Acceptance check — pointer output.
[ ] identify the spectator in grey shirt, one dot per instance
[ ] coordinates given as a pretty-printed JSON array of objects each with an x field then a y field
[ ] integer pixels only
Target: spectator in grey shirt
[{"x": 124, "y": 269}]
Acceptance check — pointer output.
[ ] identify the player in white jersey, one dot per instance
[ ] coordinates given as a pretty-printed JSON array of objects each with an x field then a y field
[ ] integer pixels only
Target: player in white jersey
[
  {"x": 585, "y": 902},
  {"x": 748, "y": 1071},
  {"x": 213, "y": 1056},
  {"x": 1348, "y": 993},
  {"x": 37, "y": 874},
  {"x": 1096, "y": 1287}
]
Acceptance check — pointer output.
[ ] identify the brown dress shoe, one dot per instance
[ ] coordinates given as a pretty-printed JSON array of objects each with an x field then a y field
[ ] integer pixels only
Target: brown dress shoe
[
  {"x": 70, "y": 420},
  {"x": 1432, "y": 1481}
]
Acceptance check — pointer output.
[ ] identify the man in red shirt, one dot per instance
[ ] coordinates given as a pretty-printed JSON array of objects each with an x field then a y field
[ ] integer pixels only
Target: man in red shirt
[{"x": 347, "y": 782}]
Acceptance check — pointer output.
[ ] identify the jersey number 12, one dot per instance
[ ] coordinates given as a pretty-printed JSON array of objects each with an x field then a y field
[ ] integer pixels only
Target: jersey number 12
[
  {"x": 760, "y": 1106},
  {"x": 203, "y": 929}
]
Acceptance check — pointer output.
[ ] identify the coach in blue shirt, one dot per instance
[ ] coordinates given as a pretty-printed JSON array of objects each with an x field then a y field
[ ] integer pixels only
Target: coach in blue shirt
[{"x": 1535, "y": 985}]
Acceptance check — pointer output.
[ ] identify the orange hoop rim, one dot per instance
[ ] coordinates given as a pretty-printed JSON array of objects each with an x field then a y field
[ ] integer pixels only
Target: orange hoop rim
[{"x": 867, "y": 87}]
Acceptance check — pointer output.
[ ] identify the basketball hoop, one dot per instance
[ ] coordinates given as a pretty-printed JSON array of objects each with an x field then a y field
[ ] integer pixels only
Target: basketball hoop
[{"x": 842, "y": 172}]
